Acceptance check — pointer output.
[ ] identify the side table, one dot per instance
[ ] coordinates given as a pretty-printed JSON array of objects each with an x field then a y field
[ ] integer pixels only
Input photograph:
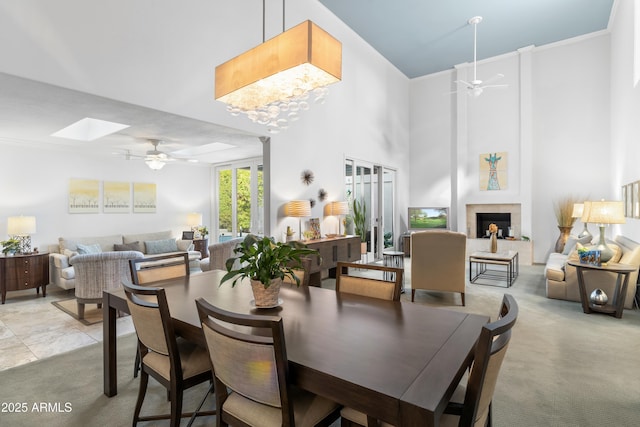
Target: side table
[
  {"x": 394, "y": 259},
  {"x": 202, "y": 246},
  {"x": 25, "y": 271},
  {"x": 616, "y": 306}
]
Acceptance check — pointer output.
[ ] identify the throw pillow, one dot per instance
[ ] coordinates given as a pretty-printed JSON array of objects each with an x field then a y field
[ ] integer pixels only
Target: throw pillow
[
  {"x": 154, "y": 247},
  {"x": 133, "y": 246},
  {"x": 570, "y": 245},
  {"x": 89, "y": 249}
]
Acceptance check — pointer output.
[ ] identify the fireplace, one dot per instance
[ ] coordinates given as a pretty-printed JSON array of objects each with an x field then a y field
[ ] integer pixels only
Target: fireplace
[{"x": 502, "y": 220}]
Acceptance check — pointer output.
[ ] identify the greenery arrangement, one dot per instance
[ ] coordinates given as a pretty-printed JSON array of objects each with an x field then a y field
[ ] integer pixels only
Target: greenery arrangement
[
  {"x": 563, "y": 208},
  {"x": 204, "y": 231},
  {"x": 360, "y": 219},
  {"x": 263, "y": 259},
  {"x": 11, "y": 245}
]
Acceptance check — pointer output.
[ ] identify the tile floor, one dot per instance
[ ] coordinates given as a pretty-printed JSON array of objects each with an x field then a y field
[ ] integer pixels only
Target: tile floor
[{"x": 32, "y": 328}]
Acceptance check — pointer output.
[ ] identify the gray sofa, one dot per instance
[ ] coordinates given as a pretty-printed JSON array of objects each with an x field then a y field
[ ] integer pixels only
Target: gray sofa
[
  {"x": 62, "y": 273},
  {"x": 562, "y": 278}
]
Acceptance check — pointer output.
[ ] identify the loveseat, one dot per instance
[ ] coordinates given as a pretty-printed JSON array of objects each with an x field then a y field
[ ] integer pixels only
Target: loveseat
[
  {"x": 62, "y": 273},
  {"x": 562, "y": 278}
]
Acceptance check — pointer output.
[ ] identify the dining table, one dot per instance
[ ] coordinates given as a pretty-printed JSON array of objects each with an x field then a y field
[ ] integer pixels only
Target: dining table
[{"x": 397, "y": 361}]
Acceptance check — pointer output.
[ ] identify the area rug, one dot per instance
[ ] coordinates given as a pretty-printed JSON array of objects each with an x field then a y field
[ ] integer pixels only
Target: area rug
[{"x": 92, "y": 314}]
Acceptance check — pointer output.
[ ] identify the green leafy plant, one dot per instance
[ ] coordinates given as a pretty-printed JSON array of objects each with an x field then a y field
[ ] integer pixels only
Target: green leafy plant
[
  {"x": 360, "y": 219},
  {"x": 10, "y": 245},
  {"x": 264, "y": 259},
  {"x": 204, "y": 231}
]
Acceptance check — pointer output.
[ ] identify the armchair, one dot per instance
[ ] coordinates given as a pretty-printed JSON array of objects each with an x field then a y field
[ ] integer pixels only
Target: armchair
[
  {"x": 98, "y": 272},
  {"x": 438, "y": 262}
]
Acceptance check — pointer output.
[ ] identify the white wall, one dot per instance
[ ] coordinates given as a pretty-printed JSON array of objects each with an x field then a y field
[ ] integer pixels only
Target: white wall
[
  {"x": 37, "y": 183},
  {"x": 625, "y": 107},
  {"x": 162, "y": 54},
  {"x": 551, "y": 120}
]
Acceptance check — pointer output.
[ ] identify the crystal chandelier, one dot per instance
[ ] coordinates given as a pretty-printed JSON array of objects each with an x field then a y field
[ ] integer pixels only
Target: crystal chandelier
[{"x": 273, "y": 82}]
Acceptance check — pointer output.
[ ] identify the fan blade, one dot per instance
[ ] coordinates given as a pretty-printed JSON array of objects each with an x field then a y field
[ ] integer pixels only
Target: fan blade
[
  {"x": 492, "y": 79},
  {"x": 495, "y": 86},
  {"x": 467, "y": 84}
]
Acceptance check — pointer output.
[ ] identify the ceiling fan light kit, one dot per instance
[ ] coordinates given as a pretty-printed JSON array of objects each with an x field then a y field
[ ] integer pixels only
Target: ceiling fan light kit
[{"x": 476, "y": 87}]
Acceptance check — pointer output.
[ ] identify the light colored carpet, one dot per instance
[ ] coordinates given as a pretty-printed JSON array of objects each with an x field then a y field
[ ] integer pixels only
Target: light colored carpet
[
  {"x": 563, "y": 368},
  {"x": 92, "y": 314}
]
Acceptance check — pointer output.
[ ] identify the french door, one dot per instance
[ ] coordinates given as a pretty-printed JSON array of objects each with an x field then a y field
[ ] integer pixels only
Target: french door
[
  {"x": 239, "y": 196},
  {"x": 373, "y": 186}
]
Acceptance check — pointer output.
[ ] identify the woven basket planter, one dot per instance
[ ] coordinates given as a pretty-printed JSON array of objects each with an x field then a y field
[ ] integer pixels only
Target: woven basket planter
[{"x": 266, "y": 297}]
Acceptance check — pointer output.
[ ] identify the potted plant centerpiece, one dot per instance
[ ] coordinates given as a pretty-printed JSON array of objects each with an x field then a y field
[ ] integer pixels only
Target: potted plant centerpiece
[
  {"x": 266, "y": 263},
  {"x": 360, "y": 223}
]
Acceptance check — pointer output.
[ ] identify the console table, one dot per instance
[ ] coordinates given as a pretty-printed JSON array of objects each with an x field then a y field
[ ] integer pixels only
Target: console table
[
  {"x": 26, "y": 271},
  {"x": 331, "y": 250},
  {"x": 616, "y": 306}
]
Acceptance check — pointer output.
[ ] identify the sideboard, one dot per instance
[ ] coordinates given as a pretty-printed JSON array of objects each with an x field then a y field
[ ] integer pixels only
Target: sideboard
[
  {"x": 27, "y": 271},
  {"x": 331, "y": 250}
]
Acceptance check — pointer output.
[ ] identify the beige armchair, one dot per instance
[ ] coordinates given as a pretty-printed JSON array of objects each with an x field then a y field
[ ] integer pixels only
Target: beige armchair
[
  {"x": 438, "y": 262},
  {"x": 98, "y": 272},
  {"x": 219, "y": 253}
]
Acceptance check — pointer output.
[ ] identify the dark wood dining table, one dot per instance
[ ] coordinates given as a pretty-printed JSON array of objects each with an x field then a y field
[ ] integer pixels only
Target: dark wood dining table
[{"x": 397, "y": 361}]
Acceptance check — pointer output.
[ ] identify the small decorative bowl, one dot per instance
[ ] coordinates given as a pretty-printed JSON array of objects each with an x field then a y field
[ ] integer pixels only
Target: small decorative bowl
[{"x": 598, "y": 297}]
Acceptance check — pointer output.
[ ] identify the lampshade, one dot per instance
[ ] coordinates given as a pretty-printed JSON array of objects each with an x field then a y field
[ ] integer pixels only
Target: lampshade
[
  {"x": 336, "y": 208},
  {"x": 21, "y": 225},
  {"x": 194, "y": 219},
  {"x": 271, "y": 82},
  {"x": 298, "y": 208},
  {"x": 603, "y": 212},
  {"x": 578, "y": 208}
]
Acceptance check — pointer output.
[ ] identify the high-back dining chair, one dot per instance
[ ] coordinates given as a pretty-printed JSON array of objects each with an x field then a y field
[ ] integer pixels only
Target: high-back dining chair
[
  {"x": 159, "y": 267},
  {"x": 369, "y": 280},
  {"x": 177, "y": 364},
  {"x": 251, "y": 373},
  {"x": 477, "y": 395},
  {"x": 303, "y": 274}
]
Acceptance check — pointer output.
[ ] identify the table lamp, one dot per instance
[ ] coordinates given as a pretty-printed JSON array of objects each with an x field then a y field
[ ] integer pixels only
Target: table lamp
[
  {"x": 578, "y": 209},
  {"x": 603, "y": 213},
  {"x": 21, "y": 228},
  {"x": 298, "y": 209},
  {"x": 336, "y": 209},
  {"x": 194, "y": 220}
]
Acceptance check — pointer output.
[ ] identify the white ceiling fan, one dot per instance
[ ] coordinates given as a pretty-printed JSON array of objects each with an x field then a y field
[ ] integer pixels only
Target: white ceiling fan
[
  {"x": 477, "y": 86},
  {"x": 155, "y": 158}
]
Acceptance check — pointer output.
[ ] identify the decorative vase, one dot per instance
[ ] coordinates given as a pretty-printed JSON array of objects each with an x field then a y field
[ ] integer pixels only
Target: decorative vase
[
  {"x": 266, "y": 297},
  {"x": 562, "y": 239},
  {"x": 494, "y": 243},
  {"x": 598, "y": 297}
]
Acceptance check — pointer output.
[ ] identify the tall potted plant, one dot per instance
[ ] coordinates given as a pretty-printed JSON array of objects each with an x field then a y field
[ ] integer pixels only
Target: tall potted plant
[
  {"x": 360, "y": 223},
  {"x": 266, "y": 263},
  {"x": 563, "y": 210}
]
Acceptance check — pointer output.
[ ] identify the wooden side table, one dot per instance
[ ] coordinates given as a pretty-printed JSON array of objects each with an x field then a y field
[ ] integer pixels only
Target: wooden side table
[
  {"x": 616, "y": 306},
  {"x": 27, "y": 271},
  {"x": 202, "y": 246}
]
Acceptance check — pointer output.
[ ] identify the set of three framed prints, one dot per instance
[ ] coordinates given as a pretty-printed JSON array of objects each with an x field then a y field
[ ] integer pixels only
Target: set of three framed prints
[{"x": 117, "y": 197}]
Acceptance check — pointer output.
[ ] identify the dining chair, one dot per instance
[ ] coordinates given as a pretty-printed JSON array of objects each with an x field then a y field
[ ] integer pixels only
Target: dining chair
[
  {"x": 251, "y": 373},
  {"x": 154, "y": 269},
  {"x": 160, "y": 267},
  {"x": 369, "y": 280},
  {"x": 303, "y": 274},
  {"x": 477, "y": 395},
  {"x": 175, "y": 363}
]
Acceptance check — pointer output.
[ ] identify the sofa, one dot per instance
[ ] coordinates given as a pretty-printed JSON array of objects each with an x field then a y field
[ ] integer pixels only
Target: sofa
[
  {"x": 62, "y": 273},
  {"x": 562, "y": 278},
  {"x": 219, "y": 253}
]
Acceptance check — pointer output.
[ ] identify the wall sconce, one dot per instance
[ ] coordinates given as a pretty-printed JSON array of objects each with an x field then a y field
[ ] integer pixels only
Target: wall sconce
[
  {"x": 21, "y": 228},
  {"x": 603, "y": 213},
  {"x": 336, "y": 209},
  {"x": 298, "y": 209}
]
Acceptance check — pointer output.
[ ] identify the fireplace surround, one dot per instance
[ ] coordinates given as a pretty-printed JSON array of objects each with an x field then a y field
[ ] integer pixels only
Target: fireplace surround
[{"x": 499, "y": 211}]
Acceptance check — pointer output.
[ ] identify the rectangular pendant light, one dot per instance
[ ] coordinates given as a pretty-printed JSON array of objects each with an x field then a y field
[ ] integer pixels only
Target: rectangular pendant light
[{"x": 304, "y": 57}]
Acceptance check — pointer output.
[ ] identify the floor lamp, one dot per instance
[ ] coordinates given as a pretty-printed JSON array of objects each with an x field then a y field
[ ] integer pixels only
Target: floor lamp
[{"x": 298, "y": 209}]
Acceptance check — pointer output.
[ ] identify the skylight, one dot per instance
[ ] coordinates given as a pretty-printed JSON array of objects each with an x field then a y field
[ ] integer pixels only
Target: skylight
[{"x": 89, "y": 129}]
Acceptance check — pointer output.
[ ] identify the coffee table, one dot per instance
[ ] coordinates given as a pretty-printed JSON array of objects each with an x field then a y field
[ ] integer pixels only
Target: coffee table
[{"x": 479, "y": 270}]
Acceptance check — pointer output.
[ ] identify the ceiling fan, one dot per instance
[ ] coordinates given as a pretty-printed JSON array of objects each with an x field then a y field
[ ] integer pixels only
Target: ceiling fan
[
  {"x": 155, "y": 158},
  {"x": 477, "y": 86}
]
